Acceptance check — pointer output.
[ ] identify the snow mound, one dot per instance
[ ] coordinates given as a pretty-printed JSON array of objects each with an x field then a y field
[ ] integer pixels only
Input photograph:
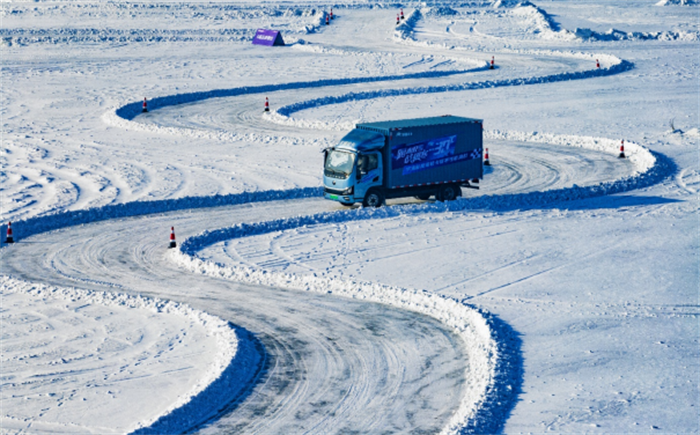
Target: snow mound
[
  {"x": 541, "y": 23},
  {"x": 440, "y": 11},
  {"x": 693, "y": 132},
  {"x": 676, "y": 3},
  {"x": 619, "y": 35},
  {"x": 510, "y": 3},
  {"x": 404, "y": 30}
]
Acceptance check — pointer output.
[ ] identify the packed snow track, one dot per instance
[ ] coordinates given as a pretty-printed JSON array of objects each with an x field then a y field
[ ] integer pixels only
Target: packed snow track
[
  {"x": 337, "y": 322},
  {"x": 331, "y": 364}
]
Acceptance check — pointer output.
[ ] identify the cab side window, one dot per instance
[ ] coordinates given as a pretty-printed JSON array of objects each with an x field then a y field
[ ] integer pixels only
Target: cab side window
[{"x": 372, "y": 162}]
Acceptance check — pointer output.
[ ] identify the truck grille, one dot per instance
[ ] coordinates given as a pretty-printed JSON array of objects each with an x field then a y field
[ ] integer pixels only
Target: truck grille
[
  {"x": 335, "y": 175},
  {"x": 333, "y": 191}
]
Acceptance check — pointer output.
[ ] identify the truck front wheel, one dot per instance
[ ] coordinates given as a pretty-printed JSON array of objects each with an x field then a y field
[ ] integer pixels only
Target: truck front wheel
[
  {"x": 373, "y": 198},
  {"x": 448, "y": 192}
]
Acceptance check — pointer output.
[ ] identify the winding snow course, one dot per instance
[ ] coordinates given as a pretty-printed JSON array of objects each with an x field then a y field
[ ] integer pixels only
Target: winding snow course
[{"x": 325, "y": 364}]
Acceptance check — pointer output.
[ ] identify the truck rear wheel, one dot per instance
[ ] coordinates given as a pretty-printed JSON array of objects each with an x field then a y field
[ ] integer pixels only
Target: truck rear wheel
[
  {"x": 448, "y": 192},
  {"x": 373, "y": 198}
]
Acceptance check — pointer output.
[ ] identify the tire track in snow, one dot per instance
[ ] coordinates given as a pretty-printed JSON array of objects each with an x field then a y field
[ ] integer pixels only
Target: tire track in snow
[{"x": 332, "y": 361}]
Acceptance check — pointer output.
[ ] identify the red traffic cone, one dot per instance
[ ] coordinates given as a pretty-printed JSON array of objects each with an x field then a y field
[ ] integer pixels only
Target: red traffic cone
[
  {"x": 145, "y": 106},
  {"x": 486, "y": 158},
  {"x": 398, "y": 20},
  {"x": 327, "y": 20},
  {"x": 331, "y": 13},
  {"x": 402, "y": 17},
  {"x": 9, "y": 238},
  {"x": 173, "y": 244},
  {"x": 492, "y": 62},
  {"x": 597, "y": 64},
  {"x": 622, "y": 149},
  {"x": 267, "y": 105}
]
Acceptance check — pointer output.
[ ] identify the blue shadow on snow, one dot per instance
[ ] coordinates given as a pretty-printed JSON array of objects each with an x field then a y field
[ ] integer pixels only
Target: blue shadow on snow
[{"x": 234, "y": 385}]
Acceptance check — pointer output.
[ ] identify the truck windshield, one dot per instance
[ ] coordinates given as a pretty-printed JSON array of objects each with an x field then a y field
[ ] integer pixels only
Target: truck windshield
[{"x": 339, "y": 163}]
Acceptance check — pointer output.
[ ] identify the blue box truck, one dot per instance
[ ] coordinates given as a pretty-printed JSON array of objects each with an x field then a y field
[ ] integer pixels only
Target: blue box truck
[{"x": 412, "y": 157}]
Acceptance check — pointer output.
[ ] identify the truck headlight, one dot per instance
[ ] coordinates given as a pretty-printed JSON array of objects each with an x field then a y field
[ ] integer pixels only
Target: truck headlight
[{"x": 349, "y": 190}]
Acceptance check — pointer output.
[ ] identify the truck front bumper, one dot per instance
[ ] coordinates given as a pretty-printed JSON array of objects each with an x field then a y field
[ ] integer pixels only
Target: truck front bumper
[{"x": 339, "y": 196}]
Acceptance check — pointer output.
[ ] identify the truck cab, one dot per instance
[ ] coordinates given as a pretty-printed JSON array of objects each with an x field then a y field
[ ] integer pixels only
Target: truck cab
[{"x": 353, "y": 168}]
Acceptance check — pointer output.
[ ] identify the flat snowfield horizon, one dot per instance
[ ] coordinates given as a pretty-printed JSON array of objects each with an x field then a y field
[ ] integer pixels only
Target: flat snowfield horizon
[{"x": 560, "y": 297}]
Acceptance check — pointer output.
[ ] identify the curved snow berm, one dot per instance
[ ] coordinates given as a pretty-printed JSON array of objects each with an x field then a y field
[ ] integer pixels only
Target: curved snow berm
[
  {"x": 282, "y": 115},
  {"x": 132, "y": 110},
  {"x": 651, "y": 168},
  {"x": 494, "y": 369},
  {"x": 233, "y": 364},
  {"x": 41, "y": 224},
  {"x": 473, "y": 326}
]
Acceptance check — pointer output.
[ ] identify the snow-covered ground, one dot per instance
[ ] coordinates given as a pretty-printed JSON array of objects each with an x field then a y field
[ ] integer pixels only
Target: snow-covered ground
[{"x": 561, "y": 297}]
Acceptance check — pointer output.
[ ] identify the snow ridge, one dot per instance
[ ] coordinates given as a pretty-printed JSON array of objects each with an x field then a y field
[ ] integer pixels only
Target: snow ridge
[
  {"x": 404, "y": 30},
  {"x": 545, "y": 25},
  {"x": 471, "y": 325},
  {"x": 120, "y": 36},
  {"x": 232, "y": 348},
  {"x": 41, "y": 224},
  {"x": 493, "y": 362},
  {"x": 651, "y": 168},
  {"x": 132, "y": 110},
  {"x": 283, "y": 113},
  {"x": 619, "y": 35}
]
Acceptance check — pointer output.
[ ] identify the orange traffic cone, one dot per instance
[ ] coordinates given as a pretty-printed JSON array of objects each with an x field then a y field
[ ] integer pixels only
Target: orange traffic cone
[
  {"x": 486, "y": 158},
  {"x": 145, "y": 106},
  {"x": 267, "y": 105},
  {"x": 622, "y": 149},
  {"x": 9, "y": 238},
  {"x": 492, "y": 62},
  {"x": 173, "y": 244}
]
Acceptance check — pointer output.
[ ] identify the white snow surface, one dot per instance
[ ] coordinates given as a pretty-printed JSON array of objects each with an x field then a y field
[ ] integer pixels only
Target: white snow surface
[
  {"x": 71, "y": 357},
  {"x": 571, "y": 277}
]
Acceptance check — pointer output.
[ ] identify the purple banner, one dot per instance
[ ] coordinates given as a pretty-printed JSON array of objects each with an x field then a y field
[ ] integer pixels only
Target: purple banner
[
  {"x": 268, "y": 37},
  {"x": 471, "y": 155},
  {"x": 428, "y": 154}
]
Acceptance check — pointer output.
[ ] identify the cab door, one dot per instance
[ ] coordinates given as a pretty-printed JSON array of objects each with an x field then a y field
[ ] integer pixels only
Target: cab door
[{"x": 369, "y": 173}]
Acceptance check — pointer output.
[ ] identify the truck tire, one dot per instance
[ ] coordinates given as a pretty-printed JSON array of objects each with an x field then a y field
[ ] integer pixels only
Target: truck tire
[
  {"x": 448, "y": 192},
  {"x": 373, "y": 198}
]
